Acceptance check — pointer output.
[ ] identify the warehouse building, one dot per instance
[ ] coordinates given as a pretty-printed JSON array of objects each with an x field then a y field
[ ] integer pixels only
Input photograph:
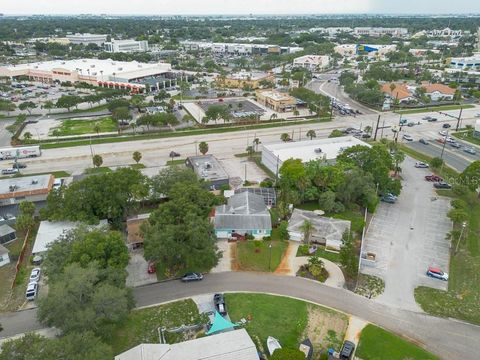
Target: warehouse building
[
  {"x": 274, "y": 155},
  {"x": 29, "y": 188}
]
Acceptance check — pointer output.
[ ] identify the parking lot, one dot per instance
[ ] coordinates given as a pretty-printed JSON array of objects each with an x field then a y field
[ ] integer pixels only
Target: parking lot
[
  {"x": 407, "y": 237},
  {"x": 235, "y": 168},
  {"x": 239, "y": 107}
]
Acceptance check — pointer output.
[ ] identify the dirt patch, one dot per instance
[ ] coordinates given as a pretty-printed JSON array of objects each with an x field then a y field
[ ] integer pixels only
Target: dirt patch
[
  {"x": 325, "y": 329},
  {"x": 284, "y": 267},
  {"x": 233, "y": 257}
]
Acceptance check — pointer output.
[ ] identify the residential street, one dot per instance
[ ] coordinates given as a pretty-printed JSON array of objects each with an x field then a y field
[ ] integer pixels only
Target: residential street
[{"x": 449, "y": 339}]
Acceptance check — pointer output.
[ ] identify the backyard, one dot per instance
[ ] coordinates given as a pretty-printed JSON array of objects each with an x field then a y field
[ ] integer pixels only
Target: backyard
[
  {"x": 80, "y": 127},
  {"x": 257, "y": 256},
  {"x": 378, "y": 344}
]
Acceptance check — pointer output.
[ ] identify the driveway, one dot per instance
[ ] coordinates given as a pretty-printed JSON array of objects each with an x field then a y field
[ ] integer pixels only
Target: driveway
[
  {"x": 407, "y": 237},
  {"x": 225, "y": 263},
  {"x": 137, "y": 270}
]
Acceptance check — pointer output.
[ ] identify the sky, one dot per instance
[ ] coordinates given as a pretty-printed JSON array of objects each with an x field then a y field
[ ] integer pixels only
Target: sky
[{"x": 228, "y": 7}]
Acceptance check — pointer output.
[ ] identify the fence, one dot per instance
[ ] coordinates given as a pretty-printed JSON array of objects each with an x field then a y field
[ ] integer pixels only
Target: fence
[{"x": 20, "y": 258}]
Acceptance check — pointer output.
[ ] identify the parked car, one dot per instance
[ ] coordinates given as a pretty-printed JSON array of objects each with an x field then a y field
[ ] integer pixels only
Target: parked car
[
  {"x": 407, "y": 137},
  {"x": 477, "y": 115},
  {"x": 9, "y": 171},
  {"x": 433, "y": 177},
  {"x": 388, "y": 199},
  {"x": 18, "y": 165},
  {"x": 151, "y": 269},
  {"x": 449, "y": 139},
  {"x": 410, "y": 124},
  {"x": 432, "y": 119},
  {"x": 442, "y": 185},
  {"x": 220, "y": 305},
  {"x": 441, "y": 140},
  {"x": 470, "y": 150},
  {"x": 427, "y": 118},
  {"x": 347, "y": 350},
  {"x": 437, "y": 273},
  {"x": 403, "y": 122},
  {"x": 446, "y": 126},
  {"x": 57, "y": 183},
  {"x": 192, "y": 277},
  {"x": 35, "y": 275},
  {"x": 420, "y": 164},
  {"x": 423, "y": 141},
  {"x": 32, "y": 290},
  {"x": 37, "y": 260}
]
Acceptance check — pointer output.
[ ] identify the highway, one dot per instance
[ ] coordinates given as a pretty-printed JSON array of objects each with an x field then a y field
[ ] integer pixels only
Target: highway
[{"x": 449, "y": 339}]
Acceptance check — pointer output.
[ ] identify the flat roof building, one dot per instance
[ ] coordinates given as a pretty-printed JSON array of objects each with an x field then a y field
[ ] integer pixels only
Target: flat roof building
[
  {"x": 28, "y": 188},
  {"x": 275, "y": 100},
  {"x": 466, "y": 63},
  {"x": 380, "y": 31},
  {"x": 101, "y": 72},
  {"x": 273, "y": 155},
  {"x": 230, "y": 345},
  {"x": 241, "y": 79},
  {"x": 126, "y": 46},
  {"x": 208, "y": 168},
  {"x": 312, "y": 62},
  {"x": 87, "y": 38}
]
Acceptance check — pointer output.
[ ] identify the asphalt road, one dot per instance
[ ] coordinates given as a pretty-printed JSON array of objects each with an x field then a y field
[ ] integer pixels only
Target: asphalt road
[{"x": 449, "y": 339}]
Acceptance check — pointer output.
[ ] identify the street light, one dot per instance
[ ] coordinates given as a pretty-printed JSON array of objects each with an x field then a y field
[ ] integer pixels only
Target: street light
[
  {"x": 464, "y": 225},
  {"x": 270, "y": 257}
]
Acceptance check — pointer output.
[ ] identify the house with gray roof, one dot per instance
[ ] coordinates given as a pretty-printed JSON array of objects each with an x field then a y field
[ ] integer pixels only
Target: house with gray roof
[
  {"x": 244, "y": 213},
  {"x": 7, "y": 234},
  {"x": 326, "y": 231}
]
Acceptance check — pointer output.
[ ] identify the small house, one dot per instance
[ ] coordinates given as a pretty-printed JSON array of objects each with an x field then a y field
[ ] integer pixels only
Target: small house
[
  {"x": 7, "y": 234},
  {"x": 4, "y": 257}
]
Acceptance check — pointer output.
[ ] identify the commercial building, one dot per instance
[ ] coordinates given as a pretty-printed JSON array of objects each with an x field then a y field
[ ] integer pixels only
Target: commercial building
[
  {"x": 352, "y": 50},
  {"x": 273, "y": 155},
  {"x": 447, "y": 32},
  {"x": 244, "y": 79},
  {"x": 228, "y": 345},
  {"x": 405, "y": 93},
  {"x": 244, "y": 213},
  {"x": 399, "y": 92},
  {"x": 423, "y": 52},
  {"x": 49, "y": 231},
  {"x": 29, "y": 188},
  {"x": 133, "y": 75},
  {"x": 239, "y": 48},
  {"x": 380, "y": 31},
  {"x": 126, "y": 46},
  {"x": 275, "y": 100},
  {"x": 87, "y": 38},
  {"x": 438, "y": 92},
  {"x": 208, "y": 168},
  {"x": 332, "y": 31},
  {"x": 312, "y": 62},
  {"x": 466, "y": 63}
]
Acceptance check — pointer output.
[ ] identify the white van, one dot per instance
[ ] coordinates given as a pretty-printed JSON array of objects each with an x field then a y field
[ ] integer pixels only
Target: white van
[{"x": 9, "y": 171}]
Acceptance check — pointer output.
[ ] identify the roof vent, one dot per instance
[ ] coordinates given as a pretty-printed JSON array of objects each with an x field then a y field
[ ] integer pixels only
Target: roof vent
[
  {"x": 12, "y": 188},
  {"x": 318, "y": 150},
  {"x": 34, "y": 181}
]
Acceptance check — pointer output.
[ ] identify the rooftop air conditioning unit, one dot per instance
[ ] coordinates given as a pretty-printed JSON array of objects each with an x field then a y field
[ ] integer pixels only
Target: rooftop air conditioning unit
[
  {"x": 34, "y": 181},
  {"x": 12, "y": 188},
  {"x": 318, "y": 150},
  {"x": 120, "y": 69},
  {"x": 92, "y": 66}
]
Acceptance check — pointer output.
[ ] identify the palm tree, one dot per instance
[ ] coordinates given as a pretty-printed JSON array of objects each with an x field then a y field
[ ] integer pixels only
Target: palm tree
[
  {"x": 311, "y": 134},
  {"x": 296, "y": 112},
  {"x": 96, "y": 127},
  {"x": 398, "y": 158},
  {"x": 285, "y": 137},
  {"x": 307, "y": 229}
]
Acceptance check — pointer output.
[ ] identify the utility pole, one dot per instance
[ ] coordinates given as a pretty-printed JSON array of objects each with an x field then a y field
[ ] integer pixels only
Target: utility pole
[
  {"x": 443, "y": 147},
  {"x": 376, "y": 128},
  {"x": 464, "y": 225},
  {"x": 459, "y": 119}
]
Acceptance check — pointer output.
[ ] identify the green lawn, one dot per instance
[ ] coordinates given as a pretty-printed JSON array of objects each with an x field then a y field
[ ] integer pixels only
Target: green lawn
[
  {"x": 80, "y": 127},
  {"x": 255, "y": 255},
  {"x": 176, "y": 162},
  {"x": 467, "y": 136},
  {"x": 462, "y": 299},
  {"x": 434, "y": 108},
  {"x": 141, "y": 326},
  {"x": 378, "y": 344},
  {"x": 137, "y": 166},
  {"x": 97, "y": 170},
  {"x": 329, "y": 255}
]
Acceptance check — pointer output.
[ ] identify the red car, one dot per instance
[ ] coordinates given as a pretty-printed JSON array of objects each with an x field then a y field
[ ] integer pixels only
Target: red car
[
  {"x": 434, "y": 178},
  {"x": 151, "y": 268}
]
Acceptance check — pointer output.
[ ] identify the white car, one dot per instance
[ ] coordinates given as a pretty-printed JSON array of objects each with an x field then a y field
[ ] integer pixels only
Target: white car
[
  {"x": 443, "y": 133},
  {"x": 420, "y": 164},
  {"x": 32, "y": 290},
  {"x": 407, "y": 137},
  {"x": 477, "y": 115},
  {"x": 35, "y": 275}
]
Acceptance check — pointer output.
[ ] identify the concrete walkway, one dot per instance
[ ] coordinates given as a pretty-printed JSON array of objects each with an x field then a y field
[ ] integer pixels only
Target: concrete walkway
[
  {"x": 225, "y": 263},
  {"x": 355, "y": 327},
  {"x": 290, "y": 264}
]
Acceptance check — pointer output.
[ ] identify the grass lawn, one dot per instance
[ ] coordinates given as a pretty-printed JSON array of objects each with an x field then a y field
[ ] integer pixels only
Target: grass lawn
[
  {"x": 435, "y": 108},
  {"x": 141, "y": 326},
  {"x": 378, "y": 344},
  {"x": 79, "y": 127},
  {"x": 176, "y": 162},
  {"x": 321, "y": 252},
  {"x": 467, "y": 136},
  {"x": 57, "y": 174},
  {"x": 137, "y": 166},
  {"x": 462, "y": 299},
  {"x": 97, "y": 170},
  {"x": 255, "y": 255}
]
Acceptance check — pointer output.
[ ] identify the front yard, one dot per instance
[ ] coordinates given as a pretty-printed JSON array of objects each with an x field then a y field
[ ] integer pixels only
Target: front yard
[
  {"x": 81, "y": 127},
  {"x": 378, "y": 344},
  {"x": 257, "y": 256}
]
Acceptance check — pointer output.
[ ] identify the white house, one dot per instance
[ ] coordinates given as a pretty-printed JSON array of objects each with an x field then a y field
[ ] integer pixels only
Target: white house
[
  {"x": 312, "y": 62},
  {"x": 4, "y": 258}
]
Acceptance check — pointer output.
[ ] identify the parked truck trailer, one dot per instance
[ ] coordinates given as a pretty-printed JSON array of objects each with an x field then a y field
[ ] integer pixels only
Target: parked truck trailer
[{"x": 20, "y": 152}]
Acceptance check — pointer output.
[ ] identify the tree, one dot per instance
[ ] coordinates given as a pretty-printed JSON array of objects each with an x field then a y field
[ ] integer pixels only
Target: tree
[
  {"x": 283, "y": 230},
  {"x": 97, "y": 160},
  {"x": 296, "y": 112},
  {"x": 285, "y": 137},
  {"x": 162, "y": 183},
  {"x": 25, "y": 219},
  {"x": 27, "y": 105},
  {"x": 68, "y": 101},
  {"x": 203, "y": 147},
  {"x": 82, "y": 299},
  {"x": 117, "y": 103},
  {"x": 121, "y": 115},
  {"x": 311, "y": 134},
  {"x": 457, "y": 216},
  {"x": 256, "y": 142},
  {"x": 96, "y": 127},
  {"x": 27, "y": 136},
  {"x": 250, "y": 151},
  {"x": 471, "y": 176},
  {"x": 307, "y": 228},
  {"x": 56, "y": 133},
  {"x": 49, "y": 105},
  {"x": 436, "y": 162},
  {"x": 287, "y": 354},
  {"x": 398, "y": 158},
  {"x": 336, "y": 133},
  {"x": 7, "y": 105},
  {"x": 348, "y": 256},
  {"x": 137, "y": 156}
]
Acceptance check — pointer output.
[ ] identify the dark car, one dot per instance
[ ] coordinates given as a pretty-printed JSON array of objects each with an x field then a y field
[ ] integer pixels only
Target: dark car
[
  {"x": 388, "y": 199},
  {"x": 432, "y": 119},
  {"x": 446, "y": 126},
  {"x": 347, "y": 350},
  {"x": 192, "y": 277},
  {"x": 19, "y": 166},
  {"x": 220, "y": 305},
  {"x": 442, "y": 185},
  {"x": 174, "y": 154},
  {"x": 435, "y": 178},
  {"x": 455, "y": 145},
  {"x": 423, "y": 141}
]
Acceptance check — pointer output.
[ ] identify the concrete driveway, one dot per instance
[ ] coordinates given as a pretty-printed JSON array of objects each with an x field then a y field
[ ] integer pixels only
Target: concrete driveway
[
  {"x": 407, "y": 237},
  {"x": 137, "y": 270}
]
